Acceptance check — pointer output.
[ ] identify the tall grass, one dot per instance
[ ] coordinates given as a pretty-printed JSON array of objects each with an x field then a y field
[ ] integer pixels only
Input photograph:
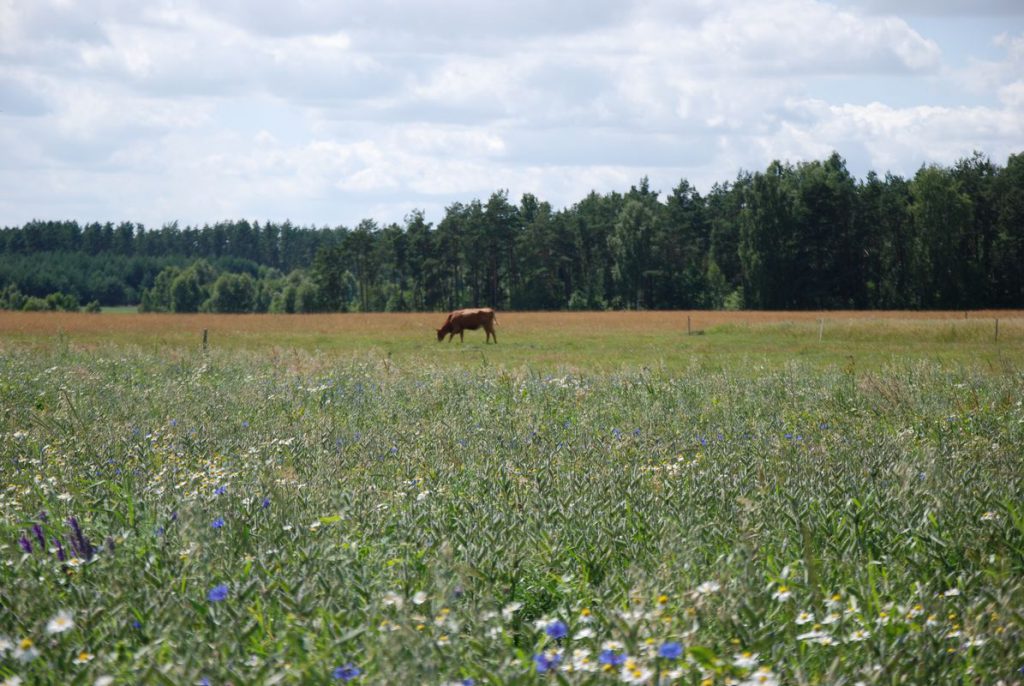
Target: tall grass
[{"x": 291, "y": 517}]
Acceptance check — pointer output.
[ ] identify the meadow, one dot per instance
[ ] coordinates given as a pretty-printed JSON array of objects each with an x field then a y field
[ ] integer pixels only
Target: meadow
[{"x": 813, "y": 498}]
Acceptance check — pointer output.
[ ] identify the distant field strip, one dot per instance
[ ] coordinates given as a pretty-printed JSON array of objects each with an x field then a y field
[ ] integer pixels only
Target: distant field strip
[
  {"x": 562, "y": 340},
  {"x": 513, "y": 323}
]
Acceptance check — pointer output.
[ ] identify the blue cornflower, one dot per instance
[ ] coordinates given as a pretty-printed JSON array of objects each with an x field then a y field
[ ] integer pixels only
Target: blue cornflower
[
  {"x": 266, "y": 503},
  {"x": 557, "y": 629},
  {"x": 348, "y": 672},
  {"x": 218, "y": 523},
  {"x": 611, "y": 658},
  {"x": 468, "y": 682},
  {"x": 671, "y": 650},
  {"x": 217, "y": 593},
  {"x": 220, "y": 490},
  {"x": 547, "y": 661}
]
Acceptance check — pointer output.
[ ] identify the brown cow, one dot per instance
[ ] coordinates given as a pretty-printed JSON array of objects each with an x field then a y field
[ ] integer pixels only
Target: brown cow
[{"x": 472, "y": 319}]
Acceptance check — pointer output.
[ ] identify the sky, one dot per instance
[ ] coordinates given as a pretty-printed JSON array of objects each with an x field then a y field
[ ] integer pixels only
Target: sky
[{"x": 328, "y": 112}]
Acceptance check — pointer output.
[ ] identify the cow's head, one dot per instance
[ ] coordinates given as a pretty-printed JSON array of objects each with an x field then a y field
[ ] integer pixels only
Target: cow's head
[{"x": 440, "y": 334}]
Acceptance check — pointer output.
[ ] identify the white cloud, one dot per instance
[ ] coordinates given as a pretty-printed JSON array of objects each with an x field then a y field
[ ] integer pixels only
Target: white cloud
[
  {"x": 944, "y": 8},
  {"x": 327, "y": 112},
  {"x": 898, "y": 138}
]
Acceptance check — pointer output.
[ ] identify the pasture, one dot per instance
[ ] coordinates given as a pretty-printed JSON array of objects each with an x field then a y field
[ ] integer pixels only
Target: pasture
[{"x": 598, "y": 499}]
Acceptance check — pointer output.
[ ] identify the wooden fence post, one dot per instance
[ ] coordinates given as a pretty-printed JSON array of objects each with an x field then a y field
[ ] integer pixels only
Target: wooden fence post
[{"x": 205, "y": 344}]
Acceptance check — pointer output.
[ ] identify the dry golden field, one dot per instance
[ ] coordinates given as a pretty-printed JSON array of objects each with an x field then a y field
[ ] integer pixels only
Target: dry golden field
[
  {"x": 414, "y": 324},
  {"x": 574, "y": 339}
]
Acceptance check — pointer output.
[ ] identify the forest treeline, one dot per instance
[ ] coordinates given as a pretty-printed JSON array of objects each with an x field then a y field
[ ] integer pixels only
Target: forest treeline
[{"x": 803, "y": 236}]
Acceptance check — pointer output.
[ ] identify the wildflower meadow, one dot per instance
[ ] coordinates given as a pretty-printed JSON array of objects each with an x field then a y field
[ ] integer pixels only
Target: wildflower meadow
[{"x": 281, "y": 516}]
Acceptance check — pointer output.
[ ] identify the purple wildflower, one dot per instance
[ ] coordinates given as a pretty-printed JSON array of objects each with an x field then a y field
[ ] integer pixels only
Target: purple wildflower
[
  {"x": 557, "y": 629},
  {"x": 217, "y": 593},
  {"x": 671, "y": 650},
  {"x": 37, "y": 531},
  {"x": 266, "y": 503},
  {"x": 547, "y": 661},
  {"x": 220, "y": 490},
  {"x": 348, "y": 672},
  {"x": 611, "y": 658},
  {"x": 218, "y": 523},
  {"x": 80, "y": 545},
  {"x": 25, "y": 544},
  {"x": 61, "y": 555}
]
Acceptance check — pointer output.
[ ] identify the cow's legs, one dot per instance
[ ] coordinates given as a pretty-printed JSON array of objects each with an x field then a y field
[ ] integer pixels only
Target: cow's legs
[{"x": 462, "y": 336}]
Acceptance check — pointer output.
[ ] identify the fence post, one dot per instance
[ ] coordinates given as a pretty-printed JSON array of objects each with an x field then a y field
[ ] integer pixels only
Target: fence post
[
  {"x": 204, "y": 340},
  {"x": 688, "y": 325},
  {"x": 997, "y": 329},
  {"x": 821, "y": 329}
]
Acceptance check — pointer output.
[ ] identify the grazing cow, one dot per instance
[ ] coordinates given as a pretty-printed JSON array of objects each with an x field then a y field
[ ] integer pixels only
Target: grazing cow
[{"x": 472, "y": 319}]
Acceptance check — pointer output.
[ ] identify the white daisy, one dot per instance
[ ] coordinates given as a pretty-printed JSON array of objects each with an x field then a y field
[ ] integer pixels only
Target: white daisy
[
  {"x": 762, "y": 677},
  {"x": 392, "y": 598},
  {"x": 25, "y": 651},
  {"x": 509, "y": 610},
  {"x": 813, "y": 635},
  {"x": 62, "y": 622},
  {"x": 858, "y": 635},
  {"x": 635, "y": 673},
  {"x": 709, "y": 587},
  {"x": 745, "y": 660}
]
